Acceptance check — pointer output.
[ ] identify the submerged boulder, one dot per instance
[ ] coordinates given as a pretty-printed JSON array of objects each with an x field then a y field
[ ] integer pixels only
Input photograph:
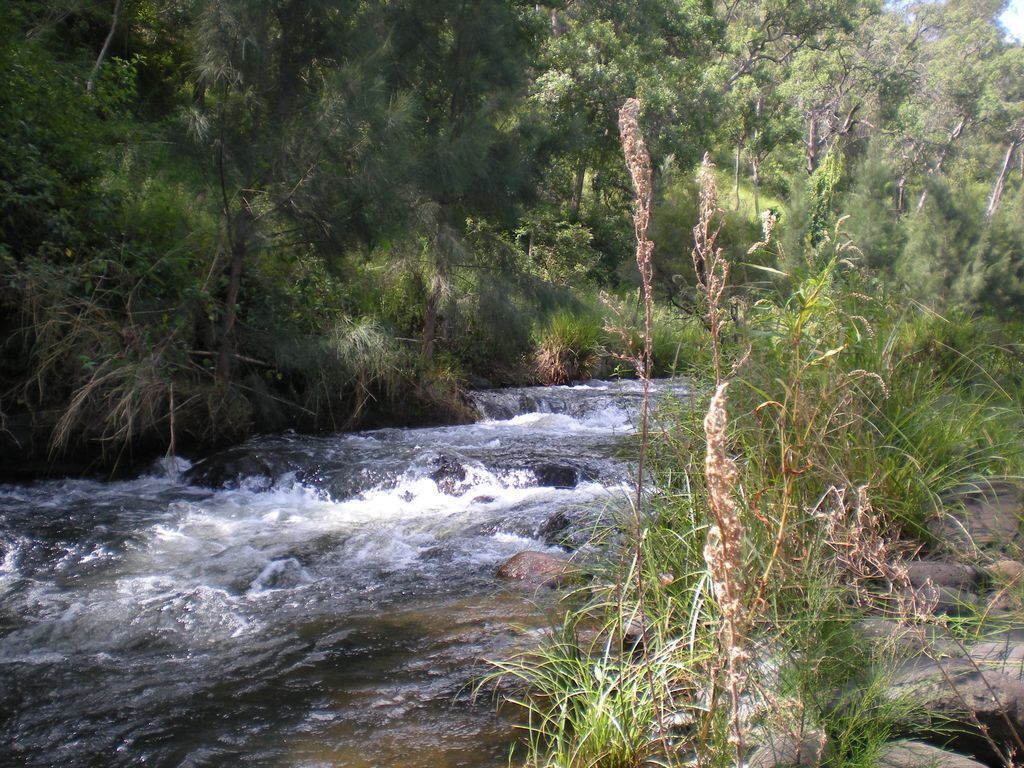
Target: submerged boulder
[
  {"x": 554, "y": 529},
  {"x": 230, "y": 468},
  {"x": 450, "y": 476},
  {"x": 550, "y": 475},
  {"x": 536, "y": 568}
]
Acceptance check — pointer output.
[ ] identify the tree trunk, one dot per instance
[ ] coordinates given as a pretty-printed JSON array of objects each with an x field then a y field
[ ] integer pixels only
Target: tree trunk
[
  {"x": 901, "y": 195},
  {"x": 736, "y": 176},
  {"x": 755, "y": 159},
  {"x": 755, "y": 180},
  {"x": 226, "y": 354},
  {"x": 429, "y": 326},
  {"x": 953, "y": 136},
  {"x": 997, "y": 190},
  {"x": 812, "y": 145},
  {"x": 577, "y": 189},
  {"x": 91, "y": 82}
]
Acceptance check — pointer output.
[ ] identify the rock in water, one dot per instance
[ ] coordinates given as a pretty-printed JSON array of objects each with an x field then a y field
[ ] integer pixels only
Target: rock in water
[
  {"x": 228, "y": 469},
  {"x": 556, "y": 475},
  {"x": 539, "y": 568},
  {"x": 449, "y": 475},
  {"x": 554, "y": 528}
]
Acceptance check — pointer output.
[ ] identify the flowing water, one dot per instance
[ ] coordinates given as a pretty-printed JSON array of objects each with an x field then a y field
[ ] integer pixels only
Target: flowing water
[{"x": 328, "y": 602}]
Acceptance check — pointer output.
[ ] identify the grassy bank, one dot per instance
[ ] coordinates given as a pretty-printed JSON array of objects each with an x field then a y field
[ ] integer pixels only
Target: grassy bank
[{"x": 779, "y": 513}]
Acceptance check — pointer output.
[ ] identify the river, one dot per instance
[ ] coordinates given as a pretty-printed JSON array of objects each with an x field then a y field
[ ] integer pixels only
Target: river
[{"x": 329, "y": 602}]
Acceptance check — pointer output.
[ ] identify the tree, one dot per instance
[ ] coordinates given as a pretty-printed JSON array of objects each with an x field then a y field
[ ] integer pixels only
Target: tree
[
  {"x": 604, "y": 52},
  {"x": 464, "y": 65},
  {"x": 1003, "y": 111}
]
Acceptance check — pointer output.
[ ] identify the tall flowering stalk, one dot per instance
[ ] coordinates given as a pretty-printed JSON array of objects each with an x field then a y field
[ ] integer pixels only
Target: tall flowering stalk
[
  {"x": 638, "y": 161},
  {"x": 639, "y": 164},
  {"x": 723, "y": 555},
  {"x": 709, "y": 265},
  {"x": 723, "y": 548}
]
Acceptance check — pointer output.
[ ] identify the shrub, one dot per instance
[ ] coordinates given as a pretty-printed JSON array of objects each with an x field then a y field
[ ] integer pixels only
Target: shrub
[{"x": 568, "y": 348}]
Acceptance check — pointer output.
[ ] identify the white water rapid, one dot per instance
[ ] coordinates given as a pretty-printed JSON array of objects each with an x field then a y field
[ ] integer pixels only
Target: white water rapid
[{"x": 297, "y": 600}]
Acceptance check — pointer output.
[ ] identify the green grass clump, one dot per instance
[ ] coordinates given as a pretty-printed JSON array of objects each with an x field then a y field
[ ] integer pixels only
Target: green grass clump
[
  {"x": 568, "y": 348},
  {"x": 588, "y": 707}
]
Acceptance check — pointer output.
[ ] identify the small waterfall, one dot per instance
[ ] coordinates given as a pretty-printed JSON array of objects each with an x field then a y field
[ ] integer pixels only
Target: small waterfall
[{"x": 591, "y": 402}]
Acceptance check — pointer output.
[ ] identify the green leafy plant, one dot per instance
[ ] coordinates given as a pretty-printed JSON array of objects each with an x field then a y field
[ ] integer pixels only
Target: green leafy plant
[{"x": 568, "y": 348}]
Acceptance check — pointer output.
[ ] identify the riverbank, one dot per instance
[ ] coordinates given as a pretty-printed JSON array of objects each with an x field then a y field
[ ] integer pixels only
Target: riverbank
[
  {"x": 829, "y": 565},
  {"x": 28, "y": 450},
  {"x": 115, "y": 423}
]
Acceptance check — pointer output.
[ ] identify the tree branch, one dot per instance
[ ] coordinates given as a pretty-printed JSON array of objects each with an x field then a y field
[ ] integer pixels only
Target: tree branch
[{"x": 91, "y": 82}]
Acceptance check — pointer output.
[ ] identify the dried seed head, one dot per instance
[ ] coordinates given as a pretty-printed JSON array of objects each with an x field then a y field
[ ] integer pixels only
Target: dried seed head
[
  {"x": 723, "y": 555},
  {"x": 638, "y": 162}
]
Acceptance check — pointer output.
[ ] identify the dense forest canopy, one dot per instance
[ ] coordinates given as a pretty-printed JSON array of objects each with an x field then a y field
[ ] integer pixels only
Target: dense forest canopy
[{"x": 222, "y": 215}]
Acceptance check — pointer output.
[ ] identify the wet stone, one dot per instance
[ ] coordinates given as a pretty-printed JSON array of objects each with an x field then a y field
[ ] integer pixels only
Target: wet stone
[
  {"x": 449, "y": 474},
  {"x": 554, "y": 528},
  {"x": 345, "y": 484},
  {"x": 536, "y": 568},
  {"x": 229, "y": 469},
  {"x": 556, "y": 475},
  {"x": 286, "y": 573}
]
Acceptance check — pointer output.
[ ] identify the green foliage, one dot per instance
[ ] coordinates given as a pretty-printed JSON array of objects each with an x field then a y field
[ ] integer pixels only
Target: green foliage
[
  {"x": 672, "y": 232},
  {"x": 586, "y": 704},
  {"x": 822, "y": 187},
  {"x": 243, "y": 182},
  {"x": 557, "y": 250},
  {"x": 938, "y": 240},
  {"x": 50, "y": 203},
  {"x": 568, "y": 348},
  {"x": 871, "y": 204}
]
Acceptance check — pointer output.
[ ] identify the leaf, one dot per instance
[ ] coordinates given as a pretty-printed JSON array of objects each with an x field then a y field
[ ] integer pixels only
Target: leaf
[
  {"x": 769, "y": 270},
  {"x": 826, "y": 355}
]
